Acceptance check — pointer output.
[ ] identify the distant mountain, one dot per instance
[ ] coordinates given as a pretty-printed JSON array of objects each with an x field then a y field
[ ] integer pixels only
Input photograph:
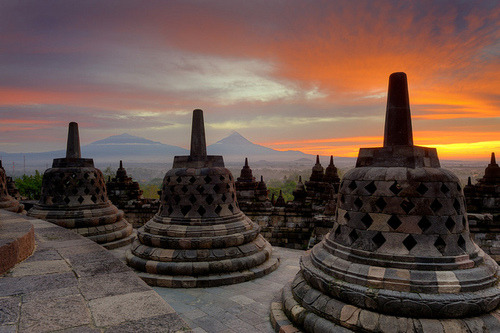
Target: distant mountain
[
  {"x": 125, "y": 138},
  {"x": 134, "y": 149},
  {"x": 235, "y": 148}
]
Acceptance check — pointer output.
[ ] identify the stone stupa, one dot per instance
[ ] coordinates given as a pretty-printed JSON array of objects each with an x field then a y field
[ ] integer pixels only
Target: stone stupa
[
  {"x": 74, "y": 196},
  {"x": 7, "y": 202},
  {"x": 399, "y": 257},
  {"x": 199, "y": 237}
]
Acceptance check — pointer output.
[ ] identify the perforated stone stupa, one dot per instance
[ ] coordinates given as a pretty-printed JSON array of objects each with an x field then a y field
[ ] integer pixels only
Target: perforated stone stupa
[
  {"x": 74, "y": 196},
  {"x": 399, "y": 257},
  {"x": 200, "y": 237},
  {"x": 7, "y": 202}
]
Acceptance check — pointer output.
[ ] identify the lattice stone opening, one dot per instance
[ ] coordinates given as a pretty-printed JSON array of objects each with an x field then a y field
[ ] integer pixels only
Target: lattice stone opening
[
  {"x": 395, "y": 188},
  {"x": 367, "y": 220},
  {"x": 424, "y": 223},
  {"x": 407, "y": 206},
  {"x": 394, "y": 222},
  {"x": 353, "y": 236},
  {"x": 440, "y": 244},
  {"x": 450, "y": 223},
  {"x": 358, "y": 203},
  {"x": 422, "y": 189},
  {"x": 409, "y": 242},
  {"x": 353, "y": 185},
  {"x": 371, "y": 188},
  {"x": 378, "y": 239},
  {"x": 444, "y": 188},
  {"x": 436, "y": 205},
  {"x": 380, "y": 203}
]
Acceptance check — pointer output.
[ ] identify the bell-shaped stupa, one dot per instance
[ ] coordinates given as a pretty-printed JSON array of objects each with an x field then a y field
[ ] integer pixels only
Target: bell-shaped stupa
[
  {"x": 399, "y": 257},
  {"x": 7, "y": 202},
  {"x": 74, "y": 196},
  {"x": 199, "y": 237}
]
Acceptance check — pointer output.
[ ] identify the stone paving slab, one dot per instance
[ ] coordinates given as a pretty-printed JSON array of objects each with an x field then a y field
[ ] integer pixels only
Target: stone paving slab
[
  {"x": 71, "y": 284},
  {"x": 242, "y": 307}
]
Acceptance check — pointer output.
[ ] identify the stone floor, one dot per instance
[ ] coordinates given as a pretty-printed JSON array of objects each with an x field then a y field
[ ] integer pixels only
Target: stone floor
[
  {"x": 71, "y": 284},
  {"x": 242, "y": 307}
]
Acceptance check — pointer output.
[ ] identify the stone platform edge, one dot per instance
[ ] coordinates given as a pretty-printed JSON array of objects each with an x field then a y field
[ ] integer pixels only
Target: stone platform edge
[{"x": 17, "y": 240}]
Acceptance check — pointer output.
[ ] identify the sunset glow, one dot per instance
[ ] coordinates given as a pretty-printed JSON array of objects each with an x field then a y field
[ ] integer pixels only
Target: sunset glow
[{"x": 288, "y": 75}]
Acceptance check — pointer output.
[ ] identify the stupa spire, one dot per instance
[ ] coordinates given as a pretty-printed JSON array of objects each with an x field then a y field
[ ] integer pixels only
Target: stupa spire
[
  {"x": 198, "y": 143},
  {"x": 398, "y": 131},
  {"x": 121, "y": 164},
  {"x": 493, "y": 159},
  {"x": 317, "y": 159},
  {"x": 73, "y": 145}
]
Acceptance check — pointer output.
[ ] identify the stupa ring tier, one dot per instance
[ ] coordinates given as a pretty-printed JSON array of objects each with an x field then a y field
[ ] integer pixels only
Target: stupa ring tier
[{"x": 200, "y": 237}]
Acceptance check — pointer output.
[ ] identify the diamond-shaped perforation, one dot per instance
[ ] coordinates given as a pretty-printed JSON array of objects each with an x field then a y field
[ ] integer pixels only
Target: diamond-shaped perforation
[
  {"x": 380, "y": 203},
  {"x": 223, "y": 198},
  {"x": 185, "y": 209},
  {"x": 371, "y": 187},
  {"x": 209, "y": 199},
  {"x": 378, "y": 239},
  {"x": 200, "y": 189},
  {"x": 461, "y": 243},
  {"x": 80, "y": 199},
  {"x": 192, "y": 199},
  {"x": 422, "y": 189},
  {"x": 184, "y": 189},
  {"x": 231, "y": 208},
  {"x": 444, "y": 188},
  {"x": 440, "y": 244},
  {"x": 394, "y": 222},
  {"x": 436, "y": 205},
  {"x": 97, "y": 190},
  {"x": 353, "y": 236},
  {"x": 367, "y": 220},
  {"x": 86, "y": 191},
  {"x": 409, "y": 242},
  {"x": 353, "y": 185},
  {"x": 201, "y": 210},
  {"x": 456, "y": 205},
  {"x": 337, "y": 232},
  {"x": 93, "y": 198},
  {"x": 424, "y": 223},
  {"x": 395, "y": 188},
  {"x": 207, "y": 179},
  {"x": 450, "y": 223},
  {"x": 86, "y": 175},
  {"x": 177, "y": 199},
  {"x": 192, "y": 179},
  {"x": 347, "y": 217},
  {"x": 459, "y": 189},
  {"x": 407, "y": 206},
  {"x": 222, "y": 178},
  {"x": 218, "y": 209},
  {"x": 228, "y": 186},
  {"x": 216, "y": 188},
  {"x": 358, "y": 203},
  {"x": 178, "y": 179}
]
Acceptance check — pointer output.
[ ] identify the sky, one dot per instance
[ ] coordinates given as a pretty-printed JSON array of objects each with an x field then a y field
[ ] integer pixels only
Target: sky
[{"x": 287, "y": 74}]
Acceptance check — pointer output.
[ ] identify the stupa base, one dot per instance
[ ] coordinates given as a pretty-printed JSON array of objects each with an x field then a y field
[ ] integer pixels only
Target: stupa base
[
  {"x": 211, "y": 280},
  {"x": 120, "y": 242},
  {"x": 323, "y": 313}
]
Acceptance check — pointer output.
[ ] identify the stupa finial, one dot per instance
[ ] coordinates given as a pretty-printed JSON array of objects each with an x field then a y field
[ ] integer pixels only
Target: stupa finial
[
  {"x": 317, "y": 159},
  {"x": 198, "y": 143},
  {"x": 73, "y": 145},
  {"x": 121, "y": 164},
  {"x": 331, "y": 160},
  {"x": 493, "y": 159},
  {"x": 398, "y": 131},
  {"x": 246, "y": 161},
  {"x": 469, "y": 181}
]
